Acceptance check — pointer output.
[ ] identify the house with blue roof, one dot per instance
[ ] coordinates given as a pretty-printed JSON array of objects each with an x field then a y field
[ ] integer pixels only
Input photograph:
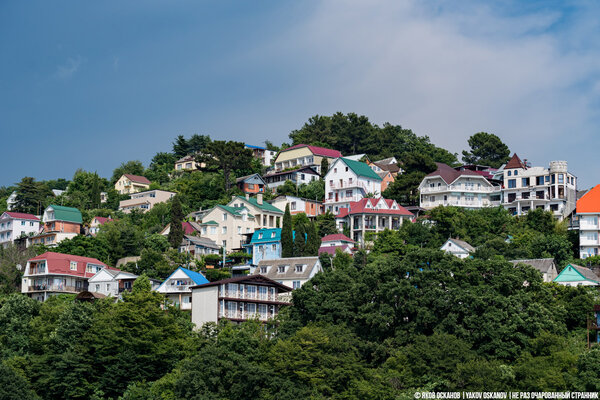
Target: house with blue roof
[
  {"x": 177, "y": 287},
  {"x": 265, "y": 245},
  {"x": 263, "y": 154}
]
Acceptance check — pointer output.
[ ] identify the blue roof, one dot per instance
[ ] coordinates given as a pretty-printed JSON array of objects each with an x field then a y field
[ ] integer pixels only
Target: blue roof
[
  {"x": 197, "y": 277},
  {"x": 256, "y": 147},
  {"x": 267, "y": 235}
]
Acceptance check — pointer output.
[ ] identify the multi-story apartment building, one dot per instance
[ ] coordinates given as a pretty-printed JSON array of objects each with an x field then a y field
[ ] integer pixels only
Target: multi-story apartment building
[
  {"x": 128, "y": 184},
  {"x": 298, "y": 176},
  {"x": 14, "y": 225},
  {"x": 51, "y": 274},
  {"x": 177, "y": 288},
  {"x": 312, "y": 208},
  {"x": 59, "y": 223},
  {"x": 237, "y": 299},
  {"x": 588, "y": 212},
  {"x": 265, "y": 214},
  {"x": 145, "y": 200},
  {"x": 367, "y": 217},
  {"x": 527, "y": 188},
  {"x": 448, "y": 186},
  {"x": 349, "y": 181},
  {"x": 302, "y": 155},
  {"x": 263, "y": 154},
  {"x": 226, "y": 225}
]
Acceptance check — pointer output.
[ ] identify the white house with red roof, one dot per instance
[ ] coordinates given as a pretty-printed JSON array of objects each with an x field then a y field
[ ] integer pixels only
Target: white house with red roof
[
  {"x": 330, "y": 243},
  {"x": 128, "y": 184},
  {"x": 14, "y": 225},
  {"x": 448, "y": 186},
  {"x": 50, "y": 274},
  {"x": 369, "y": 216},
  {"x": 302, "y": 155}
]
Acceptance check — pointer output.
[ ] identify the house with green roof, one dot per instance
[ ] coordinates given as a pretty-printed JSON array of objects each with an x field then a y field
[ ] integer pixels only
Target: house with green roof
[
  {"x": 349, "y": 181},
  {"x": 59, "y": 223},
  {"x": 575, "y": 275},
  {"x": 265, "y": 214},
  {"x": 227, "y": 226}
]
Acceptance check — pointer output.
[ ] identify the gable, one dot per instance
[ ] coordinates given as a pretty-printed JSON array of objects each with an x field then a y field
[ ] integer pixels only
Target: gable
[{"x": 102, "y": 276}]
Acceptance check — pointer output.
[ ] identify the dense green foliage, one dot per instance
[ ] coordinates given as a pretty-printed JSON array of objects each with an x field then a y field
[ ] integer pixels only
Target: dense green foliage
[
  {"x": 287, "y": 235},
  {"x": 486, "y": 149}
]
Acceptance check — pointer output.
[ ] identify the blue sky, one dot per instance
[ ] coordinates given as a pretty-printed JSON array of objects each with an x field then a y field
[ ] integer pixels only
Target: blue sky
[{"x": 92, "y": 84}]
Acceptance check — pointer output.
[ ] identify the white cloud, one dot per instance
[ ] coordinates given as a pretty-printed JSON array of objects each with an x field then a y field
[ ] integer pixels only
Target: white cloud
[{"x": 69, "y": 68}]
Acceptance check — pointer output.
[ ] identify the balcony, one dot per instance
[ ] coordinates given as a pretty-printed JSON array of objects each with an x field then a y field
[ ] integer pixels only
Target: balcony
[
  {"x": 238, "y": 314},
  {"x": 56, "y": 288},
  {"x": 235, "y": 294},
  {"x": 461, "y": 188},
  {"x": 348, "y": 185}
]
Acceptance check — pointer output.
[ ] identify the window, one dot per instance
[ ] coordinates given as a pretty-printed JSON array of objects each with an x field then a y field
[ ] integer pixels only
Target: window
[
  {"x": 22, "y": 223},
  {"x": 224, "y": 216},
  {"x": 260, "y": 235},
  {"x": 274, "y": 247},
  {"x": 348, "y": 193},
  {"x": 296, "y": 284},
  {"x": 89, "y": 268},
  {"x": 516, "y": 172},
  {"x": 331, "y": 182},
  {"x": 213, "y": 230},
  {"x": 561, "y": 178},
  {"x": 272, "y": 234},
  {"x": 512, "y": 183},
  {"x": 97, "y": 287},
  {"x": 73, "y": 265},
  {"x": 224, "y": 230},
  {"x": 224, "y": 243},
  {"x": 539, "y": 180},
  {"x": 299, "y": 268},
  {"x": 263, "y": 270},
  {"x": 108, "y": 287},
  {"x": 509, "y": 173},
  {"x": 302, "y": 177},
  {"x": 335, "y": 170},
  {"x": 524, "y": 182},
  {"x": 281, "y": 269},
  {"x": 293, "y": 205}
]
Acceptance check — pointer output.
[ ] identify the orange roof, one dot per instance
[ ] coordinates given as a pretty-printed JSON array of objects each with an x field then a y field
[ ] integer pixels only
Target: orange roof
[{"x": 590, "y": 202}]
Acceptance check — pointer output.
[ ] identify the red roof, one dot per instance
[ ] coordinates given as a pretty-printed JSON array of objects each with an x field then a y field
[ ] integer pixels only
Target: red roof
[
  {"x": 331, "y": 249},
  {"x": 188, "y": 229},
  {"x": 102, "y": 220},
  {"x": 22, "y": 215},
  {"x": 318, "y": 151},
  {"x": 369, "y": 206},
  {"x": 590, "y": 202},
  {"x": 336, "y": 237},
  {"x": 138, "y": 179},
  {"x": 514, "y": 162},
  {"x": 58, "y": 263},
  {"x": 449, "y": 174}
]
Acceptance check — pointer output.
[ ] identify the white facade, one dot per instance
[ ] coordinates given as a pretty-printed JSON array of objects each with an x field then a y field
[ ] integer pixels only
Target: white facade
[
  {"x": 106, "y": 282},
  {"x": 527, "y": 188},
  {"x": 11, "y": 200},
  {"x": 298, "y": 177},
  {"x": 466, "y": 191},
  {"x": 16, "y": 225},
  {"x": 457, "y": 248},
  {"x": 177, "y": 288},
  {"x": 145, "y": 200},
  {"x": 589, "y": 232},
  {"x": 231, "y": 224},
  {"x": 343, "y": 186}
]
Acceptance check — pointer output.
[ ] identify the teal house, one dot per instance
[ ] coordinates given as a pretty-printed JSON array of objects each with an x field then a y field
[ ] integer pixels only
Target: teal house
[{"x": 575, "y": 275}]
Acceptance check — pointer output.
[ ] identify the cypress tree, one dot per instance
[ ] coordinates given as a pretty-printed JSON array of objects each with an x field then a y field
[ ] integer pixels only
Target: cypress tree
[
  {"x": 324, "y": 167},
  {"x": 313, "y": 241},
  {"x": 300, "y": 240},
  {"x": 287, "y": 238},
  {"x": 176, "y": 231}
]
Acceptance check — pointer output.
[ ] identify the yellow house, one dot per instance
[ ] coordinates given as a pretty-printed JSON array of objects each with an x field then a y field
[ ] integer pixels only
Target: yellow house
[
  {"x": 128, "y": 184},
  {"x": 188, "y": 163},
  {"x": 302, "y": 155}
]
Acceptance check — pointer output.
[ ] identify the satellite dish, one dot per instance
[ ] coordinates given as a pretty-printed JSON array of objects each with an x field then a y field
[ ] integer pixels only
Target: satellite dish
[{"x": 19, "y": 267}]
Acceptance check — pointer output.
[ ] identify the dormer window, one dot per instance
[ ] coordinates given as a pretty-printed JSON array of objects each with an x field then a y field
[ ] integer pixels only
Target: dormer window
[
  {"x": 281, "y": 269},
  {"x": 73, "y": 265},
  {"x": 263, "y": 270},
  {"x": 299, "y": 268},
  {"x": 260, "y": 235},
  {"x": 272, "y": 234}
]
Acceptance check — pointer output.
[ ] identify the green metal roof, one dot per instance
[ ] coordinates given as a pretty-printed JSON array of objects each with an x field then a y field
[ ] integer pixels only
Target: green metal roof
[
  {"x": 235, "y": 210},
  {"x": 264, "y": 206},
  {"x": 575, "y": 273},
  {"x": 361, "y": 169},
  {"x": 211, "y": 222},
  {"x": 69, "y": 214}
]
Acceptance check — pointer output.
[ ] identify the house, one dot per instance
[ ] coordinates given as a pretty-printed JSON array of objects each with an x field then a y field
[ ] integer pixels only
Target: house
[
  {"x": 349, "y": 181},
  {"x": 369, "y": 216},
  {"x": 251, "y": 184},
  {"x": 14, "y": 225},
  {"x": 302, "y": 155},
  {"x": 298, "y": 176},
  {"x": 387, "y": 164},
  {"x": 128, "y": 184},
  {"x": 237, "y": 299},
  {"x": 460, "y": 188},
  {"x": 527, "y": 188},
  {"x": 588, "y": 214},
  {"x": 177, "y": 288},
  {"x": 292, "y": 272},
  {"x": 59, "y": 223},
  {"x": 386, "y": 179},
  {"x": 312, "y": 208},
  {"x": 111, "y": 282},
  {"x": 96, "y": 223},
  {"x": 189, "y": 228},
  {"x": 263, "y": 154},
  {"x": 188, "y": 163},
  {"x": 265, "y": 214},
  {"x": 145, "y": 200},
  {"x": 575, "y": 275},
  {"x": 50, "y": 274},
  {"x": 458, "y": 248},
  {"x": 546, "y": 266},
  {"x": 330, "y": 243},
  {"x": 265, "y": 244},
  {"x": 198, "y": 246},
  {"x": 226, "y": 225}
]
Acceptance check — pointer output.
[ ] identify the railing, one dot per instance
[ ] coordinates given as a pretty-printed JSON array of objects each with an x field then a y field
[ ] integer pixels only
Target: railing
[
  {"x": 238, "y": 314},
  {"x": 56, "y": 288},
  {"x": 235, "y": 294},
  {"x": 348, "y": 185},
  {"x": 448, "y": 188}
]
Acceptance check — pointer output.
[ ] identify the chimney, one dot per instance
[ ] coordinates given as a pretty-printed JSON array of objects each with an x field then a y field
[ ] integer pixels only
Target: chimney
[
  {"x": 247, "y": 196},
  {"x": 259, "y": 198}
]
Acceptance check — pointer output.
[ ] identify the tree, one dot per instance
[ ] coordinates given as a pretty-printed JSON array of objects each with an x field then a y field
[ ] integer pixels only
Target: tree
[
  {"x": 197, "y": 143},
  {"x": 176, "y": 231},
  {"x": 288, "y": 188},
  {"x": 314, "y": 190},
  {"x": 31, "y": 196},
  {"x": 13, "y": 386},
  {"x": 160, "y": 167},
  {"x": 95, "y": 191},
  {"x": 130, "y": 167},
  {"x": 299, "y": 240},
  {"x": 486, "y": 149},
  {"x": 326, "y": 224},
  {"x": 180, "y": 147},
  {"x": 324, "y": 167},
  {"x": 313, "y": 241},
  {"x": 226, "y": 157},
  {"x": 287, "y": 236}
]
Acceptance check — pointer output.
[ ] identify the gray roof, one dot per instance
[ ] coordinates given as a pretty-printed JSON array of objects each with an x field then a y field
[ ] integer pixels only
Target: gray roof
[
  {"x": 463, "y": 244},
  {"x": 290, "y": 272},
  {"x": 201, "y": 241},
  {"x": 544, "y": 265},
  {"x": 586, "y": 272}
]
